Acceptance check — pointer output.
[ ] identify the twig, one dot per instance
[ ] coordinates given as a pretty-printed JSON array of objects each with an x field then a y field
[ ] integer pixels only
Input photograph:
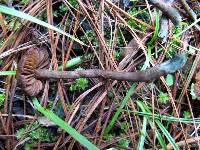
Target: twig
[
  {"x": 188, "y": 9},
  {"x": 165, "y": 68},
  {"x": 168, "y": 10}
]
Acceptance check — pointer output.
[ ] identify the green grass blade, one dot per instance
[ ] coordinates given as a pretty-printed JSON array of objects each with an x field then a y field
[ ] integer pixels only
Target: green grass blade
[
  {"x": 155, "y": 34},
  {"x": 22, "y": 15},
  {"x": 150, "y": 43},
  {"x": 142, "y": 134},
  {"x": 165, "y": 132},
  {"x": 65, "y": 126},
  {"x": 168, "y": 118},
  {"x": 190, "y": 26},
  {"x": 72, "y": 62},
  {"x": 7, "y": 73},
  {"x": 158, "y": 135},
  {"x": 143, "y": 131},
  {"x": 119, "y": 110}
]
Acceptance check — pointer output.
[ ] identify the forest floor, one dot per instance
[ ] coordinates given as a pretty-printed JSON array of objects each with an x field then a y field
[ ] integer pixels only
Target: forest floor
[{"x": 84, "y": 74}]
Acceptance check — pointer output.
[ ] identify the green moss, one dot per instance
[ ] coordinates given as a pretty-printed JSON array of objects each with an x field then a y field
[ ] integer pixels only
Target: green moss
[{"x": 35, "y": 133}]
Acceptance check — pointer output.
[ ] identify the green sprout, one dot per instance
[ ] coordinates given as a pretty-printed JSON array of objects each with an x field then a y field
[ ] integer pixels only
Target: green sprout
[
  {"x": 80, "y": 84},
  {"x": 163, "y": 98},
  {"x": 2, "y": 99},
  {"x": 186, "y": 114}
]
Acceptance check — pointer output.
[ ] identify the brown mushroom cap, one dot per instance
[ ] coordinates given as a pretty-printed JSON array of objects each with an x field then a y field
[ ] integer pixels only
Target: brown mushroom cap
[
  {"x": 197, "y": 86},
  {"x": 33, "y": 59}
]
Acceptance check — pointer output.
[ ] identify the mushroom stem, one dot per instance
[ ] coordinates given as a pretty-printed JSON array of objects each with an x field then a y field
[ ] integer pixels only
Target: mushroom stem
[{"x": 169, "y": 66}]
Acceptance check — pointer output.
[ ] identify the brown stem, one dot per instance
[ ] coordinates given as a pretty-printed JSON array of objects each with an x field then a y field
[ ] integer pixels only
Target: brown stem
[
  {"x": 168, "y": 10},
  {"x": 165, "y": 68},
  {"x": 98, "y": 73},
  {"x": 187, "y": 8}
]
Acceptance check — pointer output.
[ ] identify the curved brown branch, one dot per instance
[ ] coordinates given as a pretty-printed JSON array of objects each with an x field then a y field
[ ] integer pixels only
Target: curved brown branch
[
  {"x": 168, "y": 10},
  {"x": 165, "y": 68},
  {"x": 188, "y": 10}
]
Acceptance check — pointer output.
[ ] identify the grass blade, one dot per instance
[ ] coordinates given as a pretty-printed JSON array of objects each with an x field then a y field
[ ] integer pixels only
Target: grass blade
[
  {"x": 159, "y": 124},
  {"x": 7, "y": 73},
  {"x": 168, "y": 118},
  {"x": 158, "y": 135},
  {"x": 167, "y": 135},
  {"x": 22, "y": 15},
  {"x": 72, "y": 62},
  {"x": 142, "y": 134},
  {"x": 119, "y": 110}
]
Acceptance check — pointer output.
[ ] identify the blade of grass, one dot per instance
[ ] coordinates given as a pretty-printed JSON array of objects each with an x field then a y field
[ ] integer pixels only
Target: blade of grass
[
  {"x": 142, "y": 134},
  {"x": 65, "y": 126},
  {"x": 7, "y": 73},
  {"x": 168, "y": 118},
  {"x": 143, "y": 131},
  {"x": 190, "y": 26},
  {"x": 162, "y": 128},
  {"x": 167, "y": 135},
  {"x": 155, "y": 34},
  {"x": 72, "y": 62},
  {"x": 22, "y": 15},
  {"x": 149, "y": 44},
  {"x": 119, "y": 110},
  {"x": 158, "y": 135}
]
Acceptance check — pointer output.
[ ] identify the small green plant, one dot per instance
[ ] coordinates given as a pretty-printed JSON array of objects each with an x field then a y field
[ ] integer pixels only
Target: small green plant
[
  {"x": 28, "y": 147},
  {"x": 186, "y": 114},
  {"x": 63, "y": 8},
  {"x": 12, "y": 23},
  {"x": 175, "y": 41},
  {"x": 25, "y": 2},
  {"x": 61, "y": 11},
  {"x": 35, "y": 133},
  {"x": 124, "y": 127},
  {"x": 124, "y": 143},
  {"x": 2, "y": 99},
  {"x": 80, "y": 84},
  {"x": 74, "y": 3},
  {"x": 110, "y": 94},
  {"x": 163, "y": 98},
  {"x": 91, "y": 36},
  {"x": 140, "y": 14},
  {"x": 117, "y": 55}
]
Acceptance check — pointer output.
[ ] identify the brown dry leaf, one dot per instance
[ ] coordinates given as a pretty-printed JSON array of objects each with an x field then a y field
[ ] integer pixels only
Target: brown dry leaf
[{"x": 132, "y": 45}]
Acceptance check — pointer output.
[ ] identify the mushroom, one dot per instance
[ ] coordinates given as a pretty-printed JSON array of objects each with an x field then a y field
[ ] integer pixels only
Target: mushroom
[
  {"x": 197, "y": 86},
  {"x": 33, "y": 64},
  {"x": 33, "y": 59}
]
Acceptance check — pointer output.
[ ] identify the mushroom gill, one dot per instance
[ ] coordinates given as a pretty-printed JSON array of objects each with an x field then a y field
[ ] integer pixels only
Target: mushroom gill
[{"x": 33, "y": 59}]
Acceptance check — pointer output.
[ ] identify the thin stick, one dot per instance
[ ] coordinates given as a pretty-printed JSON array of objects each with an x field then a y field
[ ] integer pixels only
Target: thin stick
[
  {"x": 168, "y": 10},
  {"x": 169, "y": 66}
]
